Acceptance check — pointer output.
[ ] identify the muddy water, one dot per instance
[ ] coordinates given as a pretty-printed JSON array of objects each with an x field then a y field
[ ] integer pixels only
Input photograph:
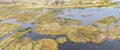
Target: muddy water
[{"x": 96, "y": 14}]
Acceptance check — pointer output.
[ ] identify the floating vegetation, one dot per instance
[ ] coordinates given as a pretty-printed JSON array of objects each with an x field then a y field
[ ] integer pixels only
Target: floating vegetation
[
  {"x": 7, "y": 28},
  {"x": 71, "y": 15},
  {"x": 107, "y": 21},
  {"x": 61, "y": 40},
  {"x": 86, "y": 15},
  {"x": 68, "y": 21}
]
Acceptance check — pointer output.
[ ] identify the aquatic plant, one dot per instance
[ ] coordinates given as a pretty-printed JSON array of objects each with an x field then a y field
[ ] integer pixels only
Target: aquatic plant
[
  {"x": 68, "y": 21},
  {"x": 107, "y": 21},
  {"x": 61, "y": 40},
  {"x": 90, "y": 36},
  {"x": 53, "y": 34},
  {"x": 86, "y": 15}
]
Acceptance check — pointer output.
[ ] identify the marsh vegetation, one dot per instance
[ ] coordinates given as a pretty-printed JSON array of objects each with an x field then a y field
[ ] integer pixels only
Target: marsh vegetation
[
  {"x": 6, "y": 28},
  {"x": 55, "y": 23}
]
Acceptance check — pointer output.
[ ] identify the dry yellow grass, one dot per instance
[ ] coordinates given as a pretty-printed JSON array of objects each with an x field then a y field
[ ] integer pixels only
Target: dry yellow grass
[
  {"x": 7, "y": 28},
  {"x": 62, "y": 40}
]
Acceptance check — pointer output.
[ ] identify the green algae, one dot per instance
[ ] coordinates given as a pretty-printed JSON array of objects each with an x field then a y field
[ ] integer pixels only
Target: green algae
[{"x": 90, "y": 36}]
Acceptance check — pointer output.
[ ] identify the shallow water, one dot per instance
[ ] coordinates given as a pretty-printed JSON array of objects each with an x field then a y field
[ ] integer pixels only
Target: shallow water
[
  {"x": 107, "y": 45},
  {"x": 97, "y": 14}
]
